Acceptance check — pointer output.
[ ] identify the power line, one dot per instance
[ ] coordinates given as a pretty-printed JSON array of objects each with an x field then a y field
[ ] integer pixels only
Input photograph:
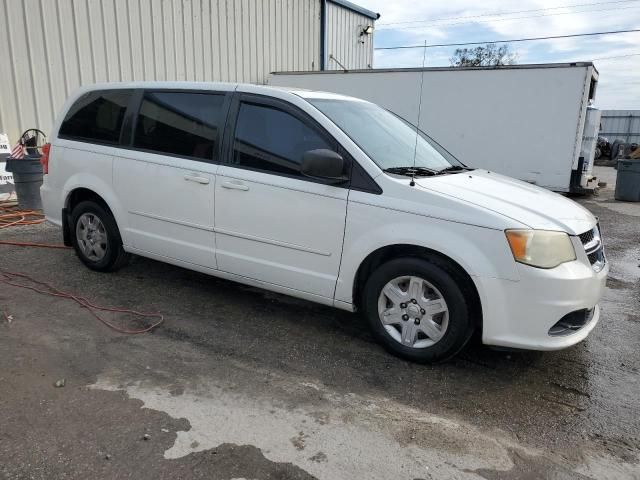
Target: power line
[
  {"x": 616, "y": 57},
  {"x": 511, "y": 18},
  {"x": 613, "y": 32},
  {"x": 508, "y": 13}
]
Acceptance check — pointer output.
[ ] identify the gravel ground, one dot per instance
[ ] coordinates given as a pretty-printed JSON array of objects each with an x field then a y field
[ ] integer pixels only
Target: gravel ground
[{"x": 243, "y": 383}]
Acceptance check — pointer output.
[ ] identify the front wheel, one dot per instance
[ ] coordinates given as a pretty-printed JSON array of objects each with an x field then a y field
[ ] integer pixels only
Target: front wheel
[{"x": 417, "y": 309}]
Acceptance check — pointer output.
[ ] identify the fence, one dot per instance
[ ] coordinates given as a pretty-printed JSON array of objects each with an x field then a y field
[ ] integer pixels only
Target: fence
[{"x": 623, "y": 125}]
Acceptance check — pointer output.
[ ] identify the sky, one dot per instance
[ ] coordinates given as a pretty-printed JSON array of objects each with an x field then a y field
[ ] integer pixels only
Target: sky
[{"x": 442, "y": 22}]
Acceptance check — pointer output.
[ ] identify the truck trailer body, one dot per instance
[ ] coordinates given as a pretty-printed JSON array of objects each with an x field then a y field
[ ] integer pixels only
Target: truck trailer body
[{"x": 531, "y": 122}]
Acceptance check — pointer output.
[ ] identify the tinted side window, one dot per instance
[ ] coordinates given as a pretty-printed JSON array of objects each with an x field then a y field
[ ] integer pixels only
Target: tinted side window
[
  {"x": 270, "y": 139},
  {"x": 180, "y": 123},
  {"x": 97, "y": 116}
]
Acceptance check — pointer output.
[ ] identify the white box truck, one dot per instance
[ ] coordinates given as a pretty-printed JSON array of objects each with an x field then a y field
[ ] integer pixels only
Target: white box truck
[{"x": 531, "y": 122}]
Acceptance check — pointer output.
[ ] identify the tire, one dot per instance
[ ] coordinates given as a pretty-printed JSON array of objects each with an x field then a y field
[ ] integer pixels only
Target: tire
[
  {"x": 615, "y": 146},
  {"x": 108, "y": 254},
  {"x": 439, "y": 282}
]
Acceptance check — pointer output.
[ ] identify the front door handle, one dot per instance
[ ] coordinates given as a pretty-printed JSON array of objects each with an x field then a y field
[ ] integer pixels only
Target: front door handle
[
  {"x": 235, "y": 185},
  {"x": 192, "y": 177}
]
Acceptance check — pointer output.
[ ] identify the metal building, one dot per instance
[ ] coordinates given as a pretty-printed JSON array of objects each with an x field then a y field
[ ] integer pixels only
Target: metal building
[
  {"x": 621, "y": 125},
  {"x": 346, "y": 23},
  {"x": 52, "y": 47}
]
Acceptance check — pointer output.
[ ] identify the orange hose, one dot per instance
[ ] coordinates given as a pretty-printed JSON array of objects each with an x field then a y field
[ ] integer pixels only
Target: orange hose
[
  {"x": 9, "y": 278},
  {"x": 32, "y": 217},
  {"x": 9, "y": 211},
  {"x": 30, "y": 244}
]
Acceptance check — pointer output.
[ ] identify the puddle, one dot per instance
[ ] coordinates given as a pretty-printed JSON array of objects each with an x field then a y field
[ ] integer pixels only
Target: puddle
[{"x": 356, "y": 434}]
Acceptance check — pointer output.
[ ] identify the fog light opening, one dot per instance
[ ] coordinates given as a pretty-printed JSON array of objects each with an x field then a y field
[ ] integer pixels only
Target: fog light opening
[{"x": 572, "y": 322}]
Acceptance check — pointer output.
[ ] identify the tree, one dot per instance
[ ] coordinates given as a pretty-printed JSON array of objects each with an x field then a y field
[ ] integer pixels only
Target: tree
[{"x": 488, "y": 55}]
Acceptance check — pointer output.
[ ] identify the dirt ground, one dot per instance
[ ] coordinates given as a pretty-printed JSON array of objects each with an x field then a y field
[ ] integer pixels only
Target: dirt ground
[{"x": 240, "y": 383}]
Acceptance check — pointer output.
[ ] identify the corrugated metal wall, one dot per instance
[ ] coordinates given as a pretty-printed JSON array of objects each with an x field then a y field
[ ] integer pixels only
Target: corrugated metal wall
[
  {"x": 50, "y": 47},
  {"x": 344, "y": 41},
  {"x": 621, "y": 124}
]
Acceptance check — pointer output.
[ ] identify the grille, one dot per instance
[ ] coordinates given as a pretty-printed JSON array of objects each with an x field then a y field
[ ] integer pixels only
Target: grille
[
  {"x": 592, "y": 243},
  {"x": 586, "y": 237},
  {"x": 596, "y": 256}
]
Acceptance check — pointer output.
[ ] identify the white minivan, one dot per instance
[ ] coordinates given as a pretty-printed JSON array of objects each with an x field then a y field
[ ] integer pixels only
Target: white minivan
[{"x": 327, "y": 198}]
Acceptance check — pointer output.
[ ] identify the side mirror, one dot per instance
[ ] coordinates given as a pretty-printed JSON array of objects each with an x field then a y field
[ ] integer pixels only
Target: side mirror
[{"x": 324, "y": 165}]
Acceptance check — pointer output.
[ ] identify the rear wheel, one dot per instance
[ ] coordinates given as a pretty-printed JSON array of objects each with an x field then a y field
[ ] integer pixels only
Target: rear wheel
[
  {"x": 96, "y": 238},
  {"x": 417, "y": 309}
]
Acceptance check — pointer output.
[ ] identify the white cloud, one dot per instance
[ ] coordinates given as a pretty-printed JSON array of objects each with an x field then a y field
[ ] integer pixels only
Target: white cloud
[{"x": 619, "y": 85}]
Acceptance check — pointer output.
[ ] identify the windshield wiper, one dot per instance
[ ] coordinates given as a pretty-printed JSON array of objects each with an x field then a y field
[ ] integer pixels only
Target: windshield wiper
[
  {"x": 453, "y": 168},
  {"x": 412, "y": 171}
]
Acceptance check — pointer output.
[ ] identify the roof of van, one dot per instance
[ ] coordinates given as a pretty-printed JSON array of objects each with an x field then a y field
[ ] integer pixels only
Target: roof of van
[{"x": 225, "y": 86}]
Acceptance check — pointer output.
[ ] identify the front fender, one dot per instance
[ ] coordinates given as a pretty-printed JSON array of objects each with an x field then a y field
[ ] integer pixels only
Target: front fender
[{"x": 480, "y": 251}]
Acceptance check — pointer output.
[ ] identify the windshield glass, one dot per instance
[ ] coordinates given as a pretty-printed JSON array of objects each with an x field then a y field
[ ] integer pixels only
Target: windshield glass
[{"x": 386, "y": 138}]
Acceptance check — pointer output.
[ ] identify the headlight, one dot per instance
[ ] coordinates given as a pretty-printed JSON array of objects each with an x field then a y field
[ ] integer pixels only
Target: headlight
[{"x": 540, "y": 248}]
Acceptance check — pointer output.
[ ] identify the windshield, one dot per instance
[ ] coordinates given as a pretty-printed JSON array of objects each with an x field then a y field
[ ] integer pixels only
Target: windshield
[{"x": 386, "y": 138}]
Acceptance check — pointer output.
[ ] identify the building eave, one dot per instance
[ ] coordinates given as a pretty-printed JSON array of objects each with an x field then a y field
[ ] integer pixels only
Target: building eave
[{"x": 356, "y": 8}]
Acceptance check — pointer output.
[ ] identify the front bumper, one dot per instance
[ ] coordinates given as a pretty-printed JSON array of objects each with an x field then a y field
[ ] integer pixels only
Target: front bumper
[{"x": 519, "y": 314}]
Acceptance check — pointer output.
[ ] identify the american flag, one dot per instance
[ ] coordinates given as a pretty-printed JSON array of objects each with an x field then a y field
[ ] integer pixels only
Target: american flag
[{"x": 18, "y": 151}]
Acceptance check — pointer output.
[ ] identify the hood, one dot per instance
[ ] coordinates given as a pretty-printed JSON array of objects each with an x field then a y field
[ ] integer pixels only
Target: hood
[{"x": 528, "y": 204}]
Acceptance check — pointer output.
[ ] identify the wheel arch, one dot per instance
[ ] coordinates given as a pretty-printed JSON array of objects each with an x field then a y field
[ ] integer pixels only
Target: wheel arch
[
  {"x": 391, "y": 252},
  {"x": 81, "y": 194},
  {"x": 73, "y": 198}
]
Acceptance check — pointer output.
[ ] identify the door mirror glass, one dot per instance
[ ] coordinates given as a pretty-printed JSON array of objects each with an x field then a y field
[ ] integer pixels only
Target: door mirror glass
[{"x": 325, "y": 165}]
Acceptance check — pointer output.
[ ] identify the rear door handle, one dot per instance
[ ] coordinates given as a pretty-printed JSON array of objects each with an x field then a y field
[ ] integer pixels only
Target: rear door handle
[
  {"x": 235, "y": 185},
  {"x": 192, "y": 177}
]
